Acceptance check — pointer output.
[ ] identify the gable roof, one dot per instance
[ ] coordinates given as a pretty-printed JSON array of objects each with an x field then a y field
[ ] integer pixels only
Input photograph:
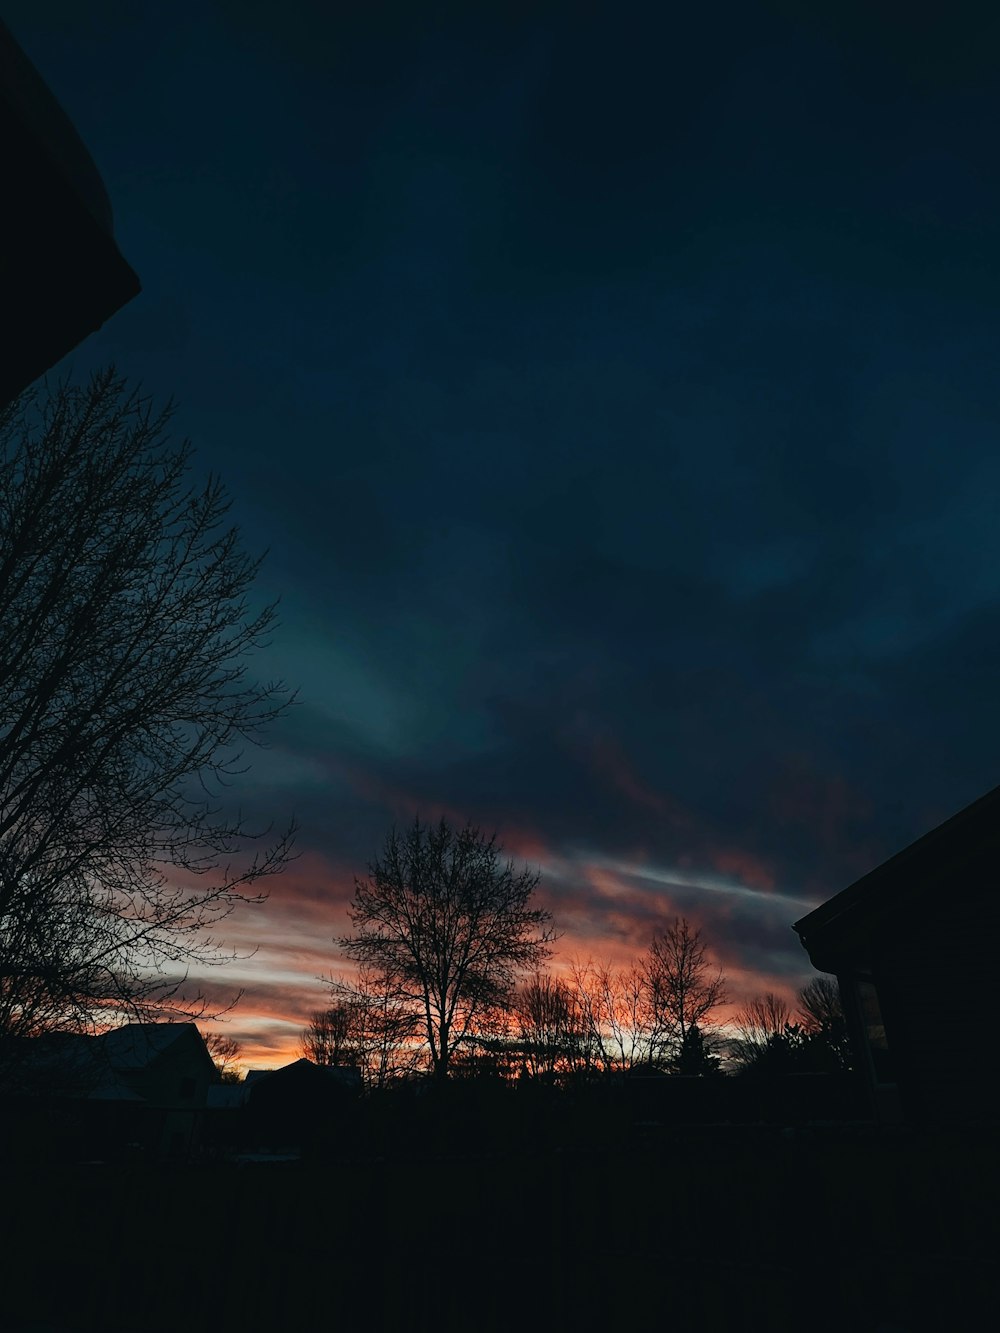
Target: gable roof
[
  {"x": 306, "y": 1070},
  {"x": 101, "y": 1067},
  {"x": 67, "y": 1064},
  {"x": 891, "y": 886},
  {"x": 137, "y": 1045}
]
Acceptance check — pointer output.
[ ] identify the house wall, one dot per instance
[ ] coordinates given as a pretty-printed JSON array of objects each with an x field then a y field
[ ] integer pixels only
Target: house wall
[
  {"x": 179, "y": 1076},
  {"x": 874, "y": 1066},
  {"x": 934, "y": 973},
  {"x": 296, "y": 1108},
  {"x": 175, "y": 1086}
]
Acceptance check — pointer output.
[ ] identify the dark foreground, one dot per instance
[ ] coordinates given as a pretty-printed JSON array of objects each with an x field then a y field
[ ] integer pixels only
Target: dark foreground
[{"x": 737, "y": 1228}]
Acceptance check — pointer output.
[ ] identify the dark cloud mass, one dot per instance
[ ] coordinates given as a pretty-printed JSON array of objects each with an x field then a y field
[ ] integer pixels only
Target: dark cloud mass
[{"x": 617, "y": 399}]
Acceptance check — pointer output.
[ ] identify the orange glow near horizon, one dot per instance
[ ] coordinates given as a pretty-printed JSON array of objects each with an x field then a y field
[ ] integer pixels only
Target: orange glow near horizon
[{"x": 604, "y": 911}]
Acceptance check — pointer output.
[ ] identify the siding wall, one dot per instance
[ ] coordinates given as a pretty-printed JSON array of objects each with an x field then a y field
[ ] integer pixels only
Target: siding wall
[{"x": 935, "y": 972}]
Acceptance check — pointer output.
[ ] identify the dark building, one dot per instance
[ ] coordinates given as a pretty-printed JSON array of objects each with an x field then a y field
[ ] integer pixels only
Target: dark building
[
  {"x": 289, "y": 1110},
  {"x": 168, "y": 1066},
  {"x": 61, "y": 272},
  {"x": 143, "y": 1086},
  {"x": 913, "y": 945}
]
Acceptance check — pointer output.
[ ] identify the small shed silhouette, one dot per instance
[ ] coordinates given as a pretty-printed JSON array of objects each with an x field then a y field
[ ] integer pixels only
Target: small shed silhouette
[{"x": 913, "y": 945}]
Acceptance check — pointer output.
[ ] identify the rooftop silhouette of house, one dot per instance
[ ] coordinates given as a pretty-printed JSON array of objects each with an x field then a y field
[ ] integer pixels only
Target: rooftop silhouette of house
[
  {"x": 306, "y": 1072},
  {"x": 913, "y": 944},
  {"x": 165, "y": 1063},
  {"x": 145, "y": 1083},
  {"x": 61, "y": 272},
  {"x": 65, "y": 1065},
  {"x": 140, "y": 1056},
  {"x": 291, "y": 1107}
]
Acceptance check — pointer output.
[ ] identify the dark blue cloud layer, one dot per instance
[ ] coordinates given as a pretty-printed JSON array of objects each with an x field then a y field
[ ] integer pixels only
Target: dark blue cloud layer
[{"x": 617, "y": 400}]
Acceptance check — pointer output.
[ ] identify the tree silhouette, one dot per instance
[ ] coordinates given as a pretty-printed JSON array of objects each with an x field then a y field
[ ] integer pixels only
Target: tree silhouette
[
  {"x": 225, "y": 1053},
  {"x": 697, "y": 1054},
  {"x": 333, "y": 1036},
  {"x": 622, "y": 1029},
  {"x": 682, "y": 986},
  {"x": 368, "y": 1025},
  {"x": 124, "y": 708},
  {"x": 767, "y": 1041},
  {"x": 770, "y": 1041},
  {"x": 549, "y": 1030},
  {"x": 822, "y": 1018},
  {"x": 446, "y": 924}
]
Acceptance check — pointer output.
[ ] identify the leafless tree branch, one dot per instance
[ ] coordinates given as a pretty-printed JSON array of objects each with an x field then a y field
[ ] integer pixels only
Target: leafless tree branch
[{"x": 125, "y": 710}]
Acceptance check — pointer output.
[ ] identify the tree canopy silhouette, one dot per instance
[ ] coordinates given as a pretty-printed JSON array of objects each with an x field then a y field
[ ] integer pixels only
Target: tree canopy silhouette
[
  {"x": 822, "y": 1017},
  {"x": 366, "y": 1025},
  {"x": 446, "y": 923},
  {"x": 225, "y": 1052},
  {"x": 682, "y": 986},
  {"x": 550, "y": 1035},
  {"x": 125, "y": 629},
  {"x": 769, "y": 1040}
]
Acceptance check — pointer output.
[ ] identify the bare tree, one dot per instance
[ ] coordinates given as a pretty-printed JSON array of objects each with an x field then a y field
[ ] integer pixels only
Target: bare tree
[
  {"x": 125, "y": 705},
  {"x": 769, "y": 1040},
  {"x": 622, "y": 1027},
  {"x": 367, "y": 1025},
  {"x": 225, "y": 1052},
  {"x": 388, "y": 1031},
  {"x": 761, "y": 1018},
  {"x": 332, "y": 1037},
  {"x": 822, "y": 1018},
  {"x": 446, "y": 924},
  {"x": 766, "y": 1038},
  {"x": 548, "y": 1028},
  {"x": 819, "y": 1004},
  {"x": 683, "y": 987},
  {"x": 492, "y": 1050}
]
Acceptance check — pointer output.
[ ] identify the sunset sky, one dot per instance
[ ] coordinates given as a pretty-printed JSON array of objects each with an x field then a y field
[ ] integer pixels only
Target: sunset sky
[{"x": 615, "y": 389}]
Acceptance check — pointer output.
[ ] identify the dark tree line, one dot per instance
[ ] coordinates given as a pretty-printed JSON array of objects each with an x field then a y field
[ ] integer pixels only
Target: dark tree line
[
  {"x": 451, "y": 980},
  {"x": 772, "y": 1038},
  {"x": 450, "y": 950}
]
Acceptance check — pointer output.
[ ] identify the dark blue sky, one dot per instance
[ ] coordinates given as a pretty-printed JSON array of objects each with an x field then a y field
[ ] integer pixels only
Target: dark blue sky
[{"x": 616, "y": 392}]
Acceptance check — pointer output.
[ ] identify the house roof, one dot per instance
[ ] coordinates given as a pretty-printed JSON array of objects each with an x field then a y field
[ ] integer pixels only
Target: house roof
[
  {"x": 891, "y": 886},
  {"x": 137, "y": 1045},
  {"x": 343, "y": 1075},
  {"x": 60, "y": 267},
  {"x": 68, "y": 1063},
  {"x": 98, "y": 1067},
  {"x": 53, "y": 131}
]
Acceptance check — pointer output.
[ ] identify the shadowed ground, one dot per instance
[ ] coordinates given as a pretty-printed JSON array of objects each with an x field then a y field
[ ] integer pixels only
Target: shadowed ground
[{"x": 721, "y": 1228}]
